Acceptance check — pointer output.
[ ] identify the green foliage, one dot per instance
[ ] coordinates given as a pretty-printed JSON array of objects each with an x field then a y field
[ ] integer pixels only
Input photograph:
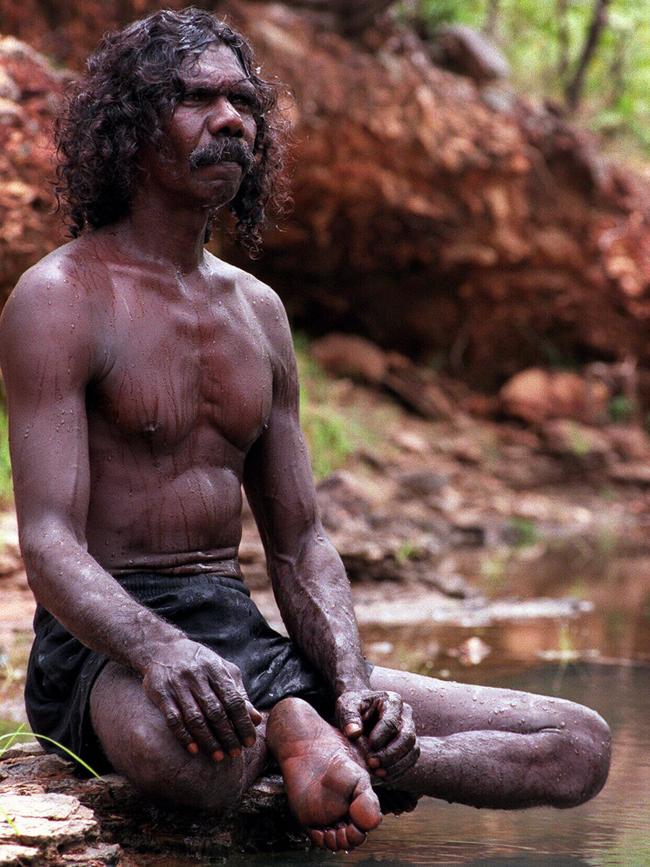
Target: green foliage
[
  {"x": 578, "y": 443},
  {"x": 408, "y": 551},
  {"x": 524, "y": 531},
  {"x": 6, "y": 492},
  {"x": 494, "y": 571},
  {"x": 327, "y": 431},
  {"x": 329, "y": 442},
  {"x": 620, "y": 409},
  {"x": 543, "y": 42}
]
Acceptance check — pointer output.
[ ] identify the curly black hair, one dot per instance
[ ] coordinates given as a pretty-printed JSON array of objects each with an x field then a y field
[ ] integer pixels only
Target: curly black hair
[{"x": 131, "y": 87}]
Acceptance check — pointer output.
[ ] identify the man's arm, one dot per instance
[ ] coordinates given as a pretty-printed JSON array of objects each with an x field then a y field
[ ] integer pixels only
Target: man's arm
[
  {"x": 308, "y": 577},
  {"x": 49, "y": 352}
]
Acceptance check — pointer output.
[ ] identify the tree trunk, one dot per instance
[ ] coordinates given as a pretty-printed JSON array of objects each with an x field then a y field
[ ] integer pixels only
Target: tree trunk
[
  {"x": 491, "y": 18},
  {"x": 574, "y": 88},
  {"x": 561, "y": 10}
]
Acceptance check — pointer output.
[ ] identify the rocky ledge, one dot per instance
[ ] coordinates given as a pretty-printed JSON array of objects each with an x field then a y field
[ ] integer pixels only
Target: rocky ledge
[{"x": 50, "y": 816}]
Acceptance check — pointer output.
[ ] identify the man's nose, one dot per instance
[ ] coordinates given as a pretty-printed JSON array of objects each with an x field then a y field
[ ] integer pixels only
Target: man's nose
[{"x": 224, "y": 119}]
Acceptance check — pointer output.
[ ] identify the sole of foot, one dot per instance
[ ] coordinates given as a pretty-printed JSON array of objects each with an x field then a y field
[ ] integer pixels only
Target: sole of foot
[{"x": 328, "y": 786}]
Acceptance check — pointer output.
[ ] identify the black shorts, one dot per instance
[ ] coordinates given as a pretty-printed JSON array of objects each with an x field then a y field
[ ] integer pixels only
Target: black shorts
[{"x": 214, "y": 610}]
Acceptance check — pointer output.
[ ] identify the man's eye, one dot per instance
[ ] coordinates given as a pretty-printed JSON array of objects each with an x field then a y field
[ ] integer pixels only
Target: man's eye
[
  {"x": 243, "y": 99},
  {"x": 195, "y": 96}
]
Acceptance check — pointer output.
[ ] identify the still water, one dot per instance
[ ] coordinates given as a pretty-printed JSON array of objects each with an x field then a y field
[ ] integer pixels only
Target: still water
[{"x": 613, "y": 829}]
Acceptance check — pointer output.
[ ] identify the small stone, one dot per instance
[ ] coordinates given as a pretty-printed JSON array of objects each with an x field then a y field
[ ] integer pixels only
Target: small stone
[
  {"x": 471, "y": 652},
  {"x": 13, "y": 855},
  {"x": 410, "y": 441}
]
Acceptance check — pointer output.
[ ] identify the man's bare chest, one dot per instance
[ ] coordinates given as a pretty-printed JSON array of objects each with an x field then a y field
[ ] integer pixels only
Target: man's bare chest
[{"x": 183, "y": 368}]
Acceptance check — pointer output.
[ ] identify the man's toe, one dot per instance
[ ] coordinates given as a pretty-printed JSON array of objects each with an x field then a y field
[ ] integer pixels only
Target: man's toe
[
  {"x": 355, "y": 836},
  {"x": 317, "y": 837},
  {"x": 365, "y": 811}
]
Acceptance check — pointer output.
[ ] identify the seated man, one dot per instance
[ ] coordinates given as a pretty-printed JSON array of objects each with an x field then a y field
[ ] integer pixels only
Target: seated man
[{"x": 147, "y": 381}]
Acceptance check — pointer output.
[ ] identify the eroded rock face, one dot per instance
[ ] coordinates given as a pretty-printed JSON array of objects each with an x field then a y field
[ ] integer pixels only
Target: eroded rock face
[
  {"x": 30, "y": 91},
  {"x": 432, "y": 215}
]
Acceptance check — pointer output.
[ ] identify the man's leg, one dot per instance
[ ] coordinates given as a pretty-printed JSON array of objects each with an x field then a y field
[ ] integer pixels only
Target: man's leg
[
  {"x": 500, "y": 748},
  {"x": 327, "y": 783},
  {"x": 138, "y": 744}
]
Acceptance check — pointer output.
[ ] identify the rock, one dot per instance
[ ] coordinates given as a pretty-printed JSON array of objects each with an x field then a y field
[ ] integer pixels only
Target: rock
[
  {"x": 422, "y": 483},
  {"x": 535, "y": 395},
  {"x": 468, "y": 52},
  {"x": 410, "y": 441},
  {"x": 13, "y": 855},
  {"x": 10, "y": 561},
  {"x": 46, "y": 819},
  {"x": 346, "y": 355},
  {"x": 631, "y": 443},
  {"x": 63, "y": 819},
  {"x": 578, "y": 442},
  {"x": 631, "y": 474},
  {"x": 471, "y": 652}
]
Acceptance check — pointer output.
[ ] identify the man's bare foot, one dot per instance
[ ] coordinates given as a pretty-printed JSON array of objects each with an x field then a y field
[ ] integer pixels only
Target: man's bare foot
[{"x": 327, "y": 784}]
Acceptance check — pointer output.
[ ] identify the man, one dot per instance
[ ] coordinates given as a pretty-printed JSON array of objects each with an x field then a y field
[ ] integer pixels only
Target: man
[{"x": 147, "y": 381}]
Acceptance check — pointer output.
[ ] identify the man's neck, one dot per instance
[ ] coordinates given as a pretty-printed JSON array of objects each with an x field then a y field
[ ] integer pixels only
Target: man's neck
[{"x": 165, "y": 231}]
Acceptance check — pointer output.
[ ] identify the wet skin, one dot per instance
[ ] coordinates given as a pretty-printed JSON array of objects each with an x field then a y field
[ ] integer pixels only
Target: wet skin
[{"x": 147, "y": 381}]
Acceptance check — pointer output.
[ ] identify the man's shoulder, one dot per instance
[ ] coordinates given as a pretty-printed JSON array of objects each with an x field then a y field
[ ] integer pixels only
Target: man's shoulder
[
  {"x": 262, "y": 301},
  {"x": 57, "y": 276},
  {"x": 50, "y": 295},
  {"x": 250, "y": 286}
]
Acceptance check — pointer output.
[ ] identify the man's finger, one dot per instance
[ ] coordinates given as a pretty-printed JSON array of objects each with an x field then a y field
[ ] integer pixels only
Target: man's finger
[
  {"x": 235, "y": 727},
  {"x": 174, "y": 720},
  {"x": 254, "y": 714},
  {"x": 396, "y": 749},
  {"x": 218, "y": 721},
  {"x": 400, "y": 746},
  {"x": 349, "y": 720},
  {"x": 196, "y": 723},
  {"x": 400, "y": 767},
  {"x": 389, "y": 723}
]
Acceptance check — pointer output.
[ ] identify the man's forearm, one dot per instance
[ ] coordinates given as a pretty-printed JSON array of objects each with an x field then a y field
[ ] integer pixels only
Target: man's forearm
[
  {"x": 313, "y": 594},
  {"x": 90, "y": 603}
]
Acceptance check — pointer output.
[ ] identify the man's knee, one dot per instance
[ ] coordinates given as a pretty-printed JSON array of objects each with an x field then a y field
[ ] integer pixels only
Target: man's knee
[
  {"x": 139, "y": 745},
  {"x": 584, "y": 757},
  {"x": 163, "y": 771}
]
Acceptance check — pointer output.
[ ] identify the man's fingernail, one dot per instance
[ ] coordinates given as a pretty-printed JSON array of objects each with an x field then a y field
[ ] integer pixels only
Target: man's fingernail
[
  {"x": 218, "y": 756},
  {"x": 248, "y": 742},
  {"x": 193, "y": 748},
  {"x": 380, "y": 772},
  {"x": 352, "y": 729},
  {"x": 235, "y": 754},
  {"x": 373, "y": 762}
]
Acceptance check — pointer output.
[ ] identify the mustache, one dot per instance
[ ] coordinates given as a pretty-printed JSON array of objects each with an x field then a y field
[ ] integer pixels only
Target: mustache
[{"x": 224, "y": 150}]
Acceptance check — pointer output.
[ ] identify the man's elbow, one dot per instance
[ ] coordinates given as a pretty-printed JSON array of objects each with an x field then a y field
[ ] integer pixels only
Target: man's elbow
[{"x": 43, "y": 546}]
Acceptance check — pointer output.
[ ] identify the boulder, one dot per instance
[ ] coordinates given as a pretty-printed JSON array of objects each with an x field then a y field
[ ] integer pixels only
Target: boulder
[{"x": 535, "y": 395}]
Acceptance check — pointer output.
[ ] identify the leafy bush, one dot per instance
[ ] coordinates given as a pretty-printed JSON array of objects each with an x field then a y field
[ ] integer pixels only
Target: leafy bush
[{"x": 6, "y": 491}]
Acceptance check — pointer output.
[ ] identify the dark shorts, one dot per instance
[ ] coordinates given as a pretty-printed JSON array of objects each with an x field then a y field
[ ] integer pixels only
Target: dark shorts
[{"x": 213, "y": 610}]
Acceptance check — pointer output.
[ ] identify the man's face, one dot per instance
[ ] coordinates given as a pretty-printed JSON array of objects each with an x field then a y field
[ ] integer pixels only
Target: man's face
[{"x": 209, "y": 139}]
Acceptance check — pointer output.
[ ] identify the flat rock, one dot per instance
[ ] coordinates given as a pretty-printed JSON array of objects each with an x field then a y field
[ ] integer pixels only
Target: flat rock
[
  {"x": 60, "y": 818},
  {"x": 46, "y": 819},
  {"x": 12, "y": 854}
]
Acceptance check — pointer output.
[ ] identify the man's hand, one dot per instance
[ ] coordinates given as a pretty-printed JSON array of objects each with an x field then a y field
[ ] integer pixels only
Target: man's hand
[
  {"x": 383, "y": 725},
  {"x": 202, "y": 698}
]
